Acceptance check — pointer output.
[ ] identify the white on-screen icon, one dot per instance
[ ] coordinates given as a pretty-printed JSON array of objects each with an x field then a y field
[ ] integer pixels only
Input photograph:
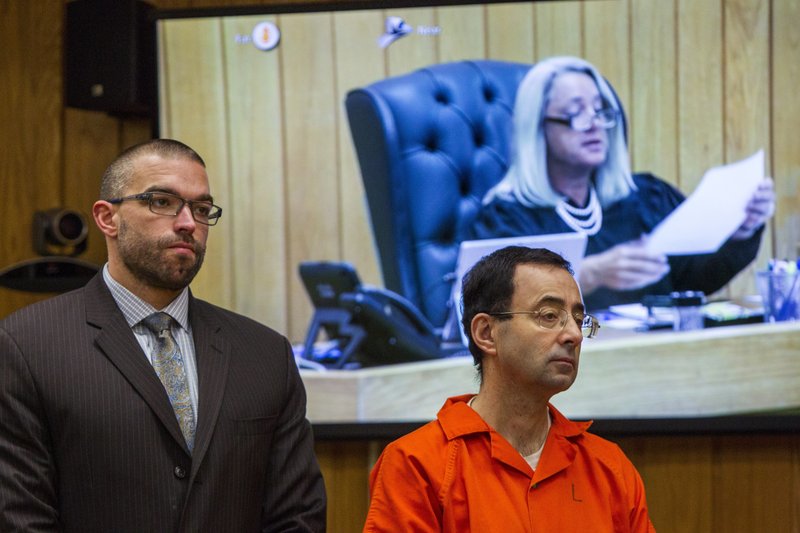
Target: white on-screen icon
[
  {"x": 266, "y": 36},
  {"x": 395, "y": 27}
]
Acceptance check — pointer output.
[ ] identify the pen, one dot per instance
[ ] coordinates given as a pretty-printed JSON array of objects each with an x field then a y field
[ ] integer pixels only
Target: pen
[{"x": 782, "y": 266}]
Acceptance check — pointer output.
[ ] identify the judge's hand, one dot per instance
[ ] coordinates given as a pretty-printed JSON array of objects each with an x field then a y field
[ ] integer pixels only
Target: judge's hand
[
  {"x": 627, "y": 266},
  {"x": 759, "y": 210}
]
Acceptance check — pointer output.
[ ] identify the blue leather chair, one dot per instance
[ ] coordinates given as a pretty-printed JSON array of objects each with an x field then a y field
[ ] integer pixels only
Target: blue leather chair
[{"x": 430, "y": 144}]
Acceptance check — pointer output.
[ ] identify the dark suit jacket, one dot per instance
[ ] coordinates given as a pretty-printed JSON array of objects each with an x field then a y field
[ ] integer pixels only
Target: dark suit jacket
[{"x": 89, "y": 441}]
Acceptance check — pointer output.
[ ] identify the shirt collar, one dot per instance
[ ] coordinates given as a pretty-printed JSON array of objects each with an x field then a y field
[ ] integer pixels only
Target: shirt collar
[
  {"x": 134, "y": 309},
  {"x": 458, "y": 419}
]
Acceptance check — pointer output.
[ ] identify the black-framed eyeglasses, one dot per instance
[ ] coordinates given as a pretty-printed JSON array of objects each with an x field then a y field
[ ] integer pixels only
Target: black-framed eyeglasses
[
  {"x": 605, "y": 118},
  {"x": 168, "y": 204},
  {"x": 556, "y": 317}
]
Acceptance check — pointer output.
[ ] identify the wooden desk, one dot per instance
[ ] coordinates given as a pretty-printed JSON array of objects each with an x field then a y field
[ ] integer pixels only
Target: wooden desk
[{"x": 711, "y": 372}]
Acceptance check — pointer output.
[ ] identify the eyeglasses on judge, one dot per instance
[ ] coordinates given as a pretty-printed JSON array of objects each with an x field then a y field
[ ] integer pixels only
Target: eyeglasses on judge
[
  {"x": 584, "y": 120},
  {"x": 555, "y": 317},
  {"x": 167, "y": 204}
]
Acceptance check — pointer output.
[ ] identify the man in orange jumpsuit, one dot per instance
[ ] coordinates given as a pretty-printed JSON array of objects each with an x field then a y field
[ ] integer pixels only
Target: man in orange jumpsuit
[{"x": 505, "y": 460}]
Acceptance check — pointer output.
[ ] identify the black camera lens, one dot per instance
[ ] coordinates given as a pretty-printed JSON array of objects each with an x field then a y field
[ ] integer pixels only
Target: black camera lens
[{"x": 70, "y": 227}]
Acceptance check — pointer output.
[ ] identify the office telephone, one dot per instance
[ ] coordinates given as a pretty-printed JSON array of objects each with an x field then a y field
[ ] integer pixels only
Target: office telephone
[{"x": 363, "y": 325}]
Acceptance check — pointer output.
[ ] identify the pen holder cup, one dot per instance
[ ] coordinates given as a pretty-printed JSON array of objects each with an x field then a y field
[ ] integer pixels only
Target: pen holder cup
[{"x": 780, "y": 293}]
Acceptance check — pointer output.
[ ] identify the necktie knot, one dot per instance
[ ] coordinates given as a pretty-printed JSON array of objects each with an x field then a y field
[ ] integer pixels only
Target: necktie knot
[{"x": 158, "y": 322}]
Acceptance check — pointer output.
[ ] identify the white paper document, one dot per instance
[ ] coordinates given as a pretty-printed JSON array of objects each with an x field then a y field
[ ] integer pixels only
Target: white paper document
[{"x": 714, "y": 211}]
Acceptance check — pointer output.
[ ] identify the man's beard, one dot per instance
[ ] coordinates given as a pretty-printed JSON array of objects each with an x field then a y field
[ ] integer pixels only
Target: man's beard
[{"x": 143, "y": 259}]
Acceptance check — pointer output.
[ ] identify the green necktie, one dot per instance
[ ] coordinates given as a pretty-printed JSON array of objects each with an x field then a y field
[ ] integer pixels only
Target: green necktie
[{"x": 168, "y": 364}]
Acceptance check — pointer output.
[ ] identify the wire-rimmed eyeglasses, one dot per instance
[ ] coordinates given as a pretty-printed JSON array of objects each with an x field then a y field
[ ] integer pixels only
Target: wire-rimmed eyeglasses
[
  {"x": 168, "y": 204},
  {"x": 584, "y": 120},
  {"x": 552, "y": 317}
]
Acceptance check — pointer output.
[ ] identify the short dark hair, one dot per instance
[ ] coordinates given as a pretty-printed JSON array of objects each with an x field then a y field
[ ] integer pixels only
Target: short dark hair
[
  {"x": 488, "y": 286},
  {"x": 119, "y": 173}
]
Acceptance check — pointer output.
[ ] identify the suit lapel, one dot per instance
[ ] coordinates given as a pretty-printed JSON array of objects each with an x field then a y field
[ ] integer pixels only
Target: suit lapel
[
  {"x": 213, "y": 352},
  {"x": 117, "y": 341}
]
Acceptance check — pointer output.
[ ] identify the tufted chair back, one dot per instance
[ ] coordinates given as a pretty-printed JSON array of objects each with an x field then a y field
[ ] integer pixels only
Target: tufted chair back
[{"x": 430, "y": 144}]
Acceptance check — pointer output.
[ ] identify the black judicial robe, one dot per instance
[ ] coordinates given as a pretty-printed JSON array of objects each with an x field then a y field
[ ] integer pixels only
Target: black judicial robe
[{"x": 623, "y": 221}]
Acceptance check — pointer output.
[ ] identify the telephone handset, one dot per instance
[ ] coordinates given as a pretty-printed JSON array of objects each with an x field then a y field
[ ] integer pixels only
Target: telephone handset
[
  {"x": 367, "y": 325},
  {"x": 395, "y": 305}
]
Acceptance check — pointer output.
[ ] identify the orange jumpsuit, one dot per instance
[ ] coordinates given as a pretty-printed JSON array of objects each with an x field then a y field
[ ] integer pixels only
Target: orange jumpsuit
[{"x": 457, "y": 474}]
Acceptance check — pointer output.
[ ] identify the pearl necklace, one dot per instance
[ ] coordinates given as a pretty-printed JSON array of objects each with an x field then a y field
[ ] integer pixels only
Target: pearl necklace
[{"x": 587, "y": 219}]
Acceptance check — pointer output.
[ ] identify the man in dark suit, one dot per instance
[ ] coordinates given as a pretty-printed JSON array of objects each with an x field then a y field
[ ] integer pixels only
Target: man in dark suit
[{"x": 111, "y": 423}]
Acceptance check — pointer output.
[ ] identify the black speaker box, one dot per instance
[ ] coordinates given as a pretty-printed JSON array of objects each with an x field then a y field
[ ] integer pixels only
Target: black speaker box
[{"x": 110, "y": 57}]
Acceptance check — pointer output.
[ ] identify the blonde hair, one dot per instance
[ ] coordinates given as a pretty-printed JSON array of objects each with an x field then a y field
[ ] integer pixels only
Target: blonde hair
[{"x": 527, "y": 180}]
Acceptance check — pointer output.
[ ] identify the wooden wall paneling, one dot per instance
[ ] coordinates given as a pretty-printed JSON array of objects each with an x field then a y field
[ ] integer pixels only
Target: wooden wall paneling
[
  {"x": 196, "y": 115},
  {"x": 94, "y": 141},
  {"x": 652, "y": 108},
  {"x": 746, "y": 77},
  {"x": 747, "y": 81},
  {"x": 606, "y": 43},
  {"x": 794, "y": 472},
  {"x": 31, "y": 114},
  {"x": 700, "y": 90},
  {"x": 558, "y": 29},
  {"x": 414, "y": 50},
  {"x": 510, "y": 32},
  {"x": 135, "y": 130},
  {"x": 753, "y": 488},
  {"x": 785, "y": 116},
  {"x": 463, "y": 33},
  {"x": 357, "y": 65},
  {"x": 678, "y": 479},
  {"x": 700, "y": 93},
  {"x": 312, "y": 182},
  {"x": 256, "y": 212},
  {"x": 345, "y": 467}
]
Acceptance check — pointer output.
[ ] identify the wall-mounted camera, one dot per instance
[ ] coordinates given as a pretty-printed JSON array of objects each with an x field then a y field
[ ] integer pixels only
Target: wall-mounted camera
[
  {"x": 58, "y": 236},
  {"x": 59, "y": 232}
]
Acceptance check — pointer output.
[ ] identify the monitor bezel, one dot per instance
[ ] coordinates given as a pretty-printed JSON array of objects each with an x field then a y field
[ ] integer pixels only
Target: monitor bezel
[{"x": 618, "y": 427}]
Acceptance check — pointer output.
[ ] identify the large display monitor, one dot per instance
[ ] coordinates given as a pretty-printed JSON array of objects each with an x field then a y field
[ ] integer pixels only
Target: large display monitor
[{"x": 259, "y": 92}]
